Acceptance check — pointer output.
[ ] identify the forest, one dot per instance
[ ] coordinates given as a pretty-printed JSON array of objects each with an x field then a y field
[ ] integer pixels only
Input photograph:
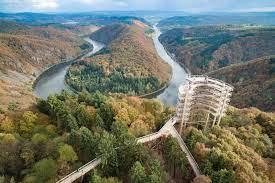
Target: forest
[
  {"x": 253, "y": 82},
  {"x": 63, "y": 132},
  {"x": 206, "y": 48},
  {"x": 128, "y": 64},
  {"x": 241, "y": 55},
  {"x": 242, "y": 150},
  {"x": 93, "y": 78}
]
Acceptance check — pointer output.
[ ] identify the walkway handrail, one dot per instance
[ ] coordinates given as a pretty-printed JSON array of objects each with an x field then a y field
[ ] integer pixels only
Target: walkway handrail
[
  {"x": 150, "y": 137},
  {"x": 195, "y": 166},
  {"x": 73, "y": 176}
]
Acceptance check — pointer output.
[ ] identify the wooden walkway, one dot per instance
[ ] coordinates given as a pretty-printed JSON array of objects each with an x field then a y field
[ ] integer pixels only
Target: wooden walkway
[{"x": 167, "y": 129}]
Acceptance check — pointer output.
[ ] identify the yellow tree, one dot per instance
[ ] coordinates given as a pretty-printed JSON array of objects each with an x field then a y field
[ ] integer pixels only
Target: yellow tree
[
  {"x": 27, "y": 123},
  {"x": 7, "y": 125}
]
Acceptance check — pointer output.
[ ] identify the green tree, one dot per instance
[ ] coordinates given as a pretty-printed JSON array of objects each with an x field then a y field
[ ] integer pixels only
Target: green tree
[
  {"x": 107, "y": 114},
  {"x": 27, "y": 154},
  {"x": 156, "y": 173},
  {"x": 84, "y": 143},
  {"x": 2, "y": 110},
  {"x": 39, "y": 138},
  {"x": 137, "y": 173},
  {"x": 107, "y": 151},
  {"x": 175, "y": 155},
  {"x": 83, "y": 117},
  {"x": 67, "y": 153},
  {"x": 223, "y": 176},
  {"x": 45, "y": 171},
  {"x": 13, "y": 106},
  {"x": 93, "y": 99}
]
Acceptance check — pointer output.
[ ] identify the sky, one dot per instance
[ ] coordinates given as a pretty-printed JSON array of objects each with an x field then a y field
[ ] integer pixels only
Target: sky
[{"x": 195, "y": 6}]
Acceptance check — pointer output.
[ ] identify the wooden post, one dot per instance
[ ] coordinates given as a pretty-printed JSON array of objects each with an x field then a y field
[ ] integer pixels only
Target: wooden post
[
  {"x": 206, "y": 123},
  {"x": 184, "y": 109},
  {"x": 214, "y": 121}
]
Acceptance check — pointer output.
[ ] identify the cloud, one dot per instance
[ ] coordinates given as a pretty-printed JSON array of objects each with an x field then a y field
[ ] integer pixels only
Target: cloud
[
  {"x": 105, "y": 3},
  {"x": 44, "y": 4},
  {"x": 263, "y": 9},
  {"x": 91, "y": 5},
  {"x": 28, "y": 5}
]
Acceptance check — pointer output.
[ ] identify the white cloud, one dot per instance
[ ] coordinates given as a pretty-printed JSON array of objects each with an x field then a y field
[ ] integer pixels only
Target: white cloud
[
  {"x": 44, "y": 4},
  {"x": 263, "y": 9},
  {"x": 104, "y": 4},
  {"x": 29, "y": 5},
  {"x": 91, "y": 5},
  {"x": 121, "y": 3},
  {"x": 88, "y": 1}
]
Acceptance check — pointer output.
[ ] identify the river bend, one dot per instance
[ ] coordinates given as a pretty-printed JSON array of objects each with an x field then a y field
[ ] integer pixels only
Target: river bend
[{"x": 54, "y": 82}]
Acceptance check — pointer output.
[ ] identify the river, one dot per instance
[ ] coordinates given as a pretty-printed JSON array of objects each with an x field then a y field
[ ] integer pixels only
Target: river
[
  {"x": 170, "y": 95},
  {"x": 53, "y": 83}
]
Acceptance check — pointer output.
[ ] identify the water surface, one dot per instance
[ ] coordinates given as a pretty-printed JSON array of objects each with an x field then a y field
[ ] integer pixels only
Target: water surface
[
  {"x": 53, "y": 82},
  {"x": 170, "y": 94}
]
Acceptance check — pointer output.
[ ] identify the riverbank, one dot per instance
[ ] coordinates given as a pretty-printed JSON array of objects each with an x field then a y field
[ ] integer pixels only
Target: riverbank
[
  {"x": 51, "y": 81},
  {"x": 56, "y": 67},
  {"x": 169, "y": 95}
]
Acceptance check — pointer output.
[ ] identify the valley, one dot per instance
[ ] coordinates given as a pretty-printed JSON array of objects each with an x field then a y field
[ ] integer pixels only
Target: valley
[
  {"x": 228, "y": 52},
  {"x": 93, "y": 97}
]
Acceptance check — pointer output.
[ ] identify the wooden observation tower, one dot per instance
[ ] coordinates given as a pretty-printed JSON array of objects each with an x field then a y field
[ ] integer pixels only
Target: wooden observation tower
[{"x": 202, "y": 101}]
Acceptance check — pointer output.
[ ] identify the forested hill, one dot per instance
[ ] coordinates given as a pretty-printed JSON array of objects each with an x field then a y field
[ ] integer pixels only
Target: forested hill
[
  {"x": 27, "y": 50},
  {"x": 129, "y": 63},
  {"x": 69, "y": 18},
  {"x": 216, "y": 19},
  {"x": 253, "y": 82},
  {"x": 109, "y": 33},
  {"x": 205, "y": 49}
]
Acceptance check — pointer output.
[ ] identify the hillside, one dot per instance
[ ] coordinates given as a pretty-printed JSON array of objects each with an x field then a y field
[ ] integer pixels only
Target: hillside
[
  {"x": 216, "y": 19},
  {"x": 207, "y": 48},
  {"x": 253, "y": 82},
  {"x": 95, "y": 18},
  {"x": 25, "y": 51},
  {"x": 42, "y": 146},
  {"x": 109, "y": 33},
  {"x": 58, "y": 135},
  {"x": 241, "y": 150},
  {"x": 129, "y": 63}
]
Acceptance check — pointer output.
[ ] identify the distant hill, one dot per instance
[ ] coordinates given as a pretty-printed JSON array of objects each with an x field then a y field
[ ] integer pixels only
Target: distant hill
[
  {"x": 253, "y": 81},
  {"x": 207, "y": 48},
  {"x": 229, "y": 53},
  {"x": 69, "y": 18},
  {"x": 215, "y": 19},
  {"x": 129, "y": 64},
  {"x": 109, "y": 33},
  {"x": 30, "y": 49},
  {"x": 6, "y": 26}
]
